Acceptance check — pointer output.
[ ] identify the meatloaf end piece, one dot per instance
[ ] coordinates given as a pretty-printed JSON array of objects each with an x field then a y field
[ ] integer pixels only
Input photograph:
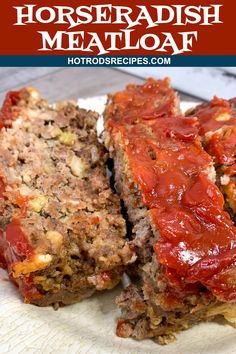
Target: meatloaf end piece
[
  {"x": 217, "y": 121},
  {"x": 62, "y": 233},
  {"x": 185, "y": 241}
]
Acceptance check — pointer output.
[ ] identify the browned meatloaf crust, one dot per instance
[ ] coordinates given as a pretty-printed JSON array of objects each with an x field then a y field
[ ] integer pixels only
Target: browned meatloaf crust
[
  {"x": 176, "y": 213},
  {"x": 217, "y": 125},
  {"x": 62, "y": 233}
]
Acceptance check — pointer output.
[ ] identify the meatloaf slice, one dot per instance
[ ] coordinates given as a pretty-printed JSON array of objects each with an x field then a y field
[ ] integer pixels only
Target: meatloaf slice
[
  {"x": 217, "y": 121},
  {"x": 62, "y": 233},
  {"x": 185, "y": 241}
]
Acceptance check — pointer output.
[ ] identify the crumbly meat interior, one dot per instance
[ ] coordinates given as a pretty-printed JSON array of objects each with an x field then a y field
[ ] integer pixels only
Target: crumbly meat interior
[
  {"x": 57, "y": 195},
  {"x": 146, "y": 311}
]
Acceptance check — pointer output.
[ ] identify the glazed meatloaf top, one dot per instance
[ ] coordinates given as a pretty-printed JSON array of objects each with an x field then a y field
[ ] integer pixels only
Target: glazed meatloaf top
[
  {"x": 215, "y": 114},
  {"x": 217, "y": 125},
  {"x": 56, "y": 202},
  {"x": 196, "y": 238}
]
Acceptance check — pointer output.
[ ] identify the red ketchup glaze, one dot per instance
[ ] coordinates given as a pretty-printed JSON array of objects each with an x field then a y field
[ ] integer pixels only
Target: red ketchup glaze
[
  {"x": 197, "y": 243},
  {"x": 28, "y": 290},
  {"x": 223, "y": 146},
  {"x": 95, "y": 220},
  {"x": 14, "y": 244},
  {"x": 14, "y": 247},
  {"x": 2, "y": 248},
  {"x": 7, "y": 114},
  {"x": 153, "y": 99},
  {"x": 209, "y": 114},
  {"x": 18, "y": 242},
  {"x": 217, "y": 114},
  {"x": 2, "y": 188},
  {"x": 230, "y": 170}
]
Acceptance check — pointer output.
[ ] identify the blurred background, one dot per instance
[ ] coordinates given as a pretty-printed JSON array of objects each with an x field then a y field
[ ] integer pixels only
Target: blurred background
[{"x": 193, "y": 84}]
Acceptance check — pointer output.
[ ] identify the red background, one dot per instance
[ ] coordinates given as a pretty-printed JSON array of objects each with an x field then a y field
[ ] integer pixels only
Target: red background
[{"x": 218, "y": 39}]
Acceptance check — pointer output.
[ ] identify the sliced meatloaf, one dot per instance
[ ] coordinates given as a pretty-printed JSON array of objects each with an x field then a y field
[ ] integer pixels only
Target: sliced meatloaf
[
  {"x": 217, "y": 125},
  {"x": 62, "y": 234},
  {"x": 185, "y": 241}
]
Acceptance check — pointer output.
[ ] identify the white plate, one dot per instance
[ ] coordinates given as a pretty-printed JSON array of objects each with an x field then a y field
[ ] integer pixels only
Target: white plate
[{"x": 89, "y": 327}]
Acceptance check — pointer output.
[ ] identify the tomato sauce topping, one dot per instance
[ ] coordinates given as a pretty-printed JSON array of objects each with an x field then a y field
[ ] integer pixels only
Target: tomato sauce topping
[
  {"x": 230, "y": 170},
  {"x": 7, "y": 113},
  {"x": 153, "y": 99},
  {"x": 18, "y": 241},
  {"x": 2, "y": 188},
  {"x": 222, "y": 145},
  {"x": 217, "y": 114},
  {"x": 28, "y": 289},
  {"x": 197, "y": 243}
]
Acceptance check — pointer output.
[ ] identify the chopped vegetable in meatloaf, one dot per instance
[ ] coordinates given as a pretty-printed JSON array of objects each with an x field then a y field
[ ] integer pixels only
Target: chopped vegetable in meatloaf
[
  {"x": 185, "y": 241},
  {"x": 217, "y": 123},
  {"x": 62, "y": 234}
]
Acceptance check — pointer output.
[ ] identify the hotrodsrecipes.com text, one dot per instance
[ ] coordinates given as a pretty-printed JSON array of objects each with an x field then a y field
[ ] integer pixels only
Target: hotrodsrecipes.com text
[{"x": 119, "y": 61}]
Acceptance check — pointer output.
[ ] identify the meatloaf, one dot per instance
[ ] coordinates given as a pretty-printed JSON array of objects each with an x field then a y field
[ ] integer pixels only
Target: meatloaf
[
  {"x": 62, "y": 233},
  {"x": 185, "y": 241},
  {"x": 217, "y": 126}
]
